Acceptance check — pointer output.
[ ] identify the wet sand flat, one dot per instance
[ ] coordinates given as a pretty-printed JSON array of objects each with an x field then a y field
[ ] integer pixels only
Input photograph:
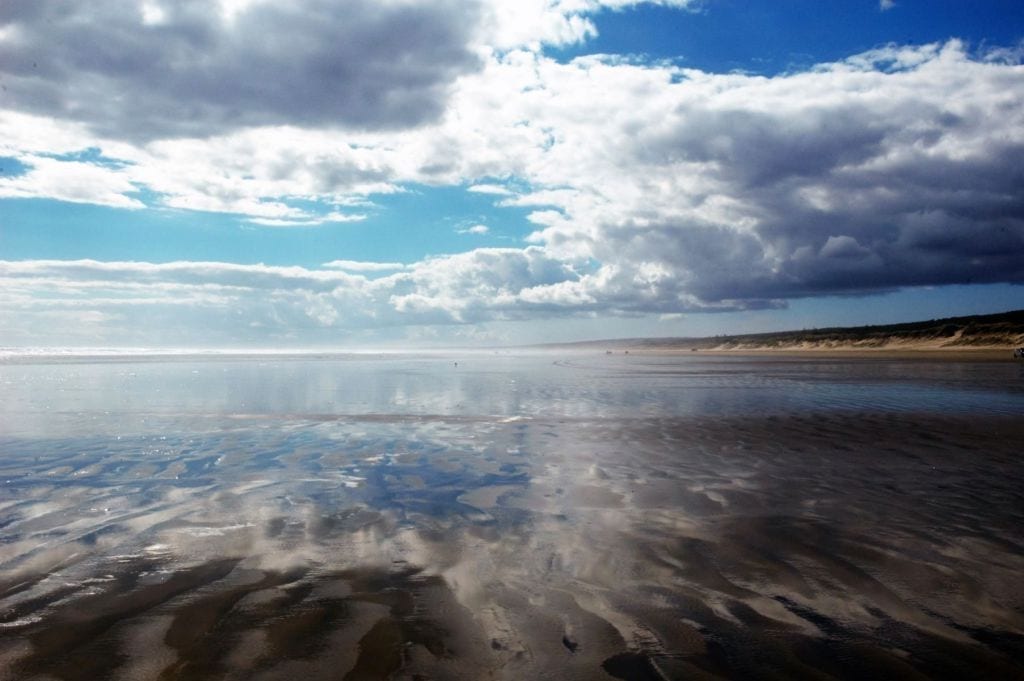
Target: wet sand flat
[{"x": 530, "y": 517}]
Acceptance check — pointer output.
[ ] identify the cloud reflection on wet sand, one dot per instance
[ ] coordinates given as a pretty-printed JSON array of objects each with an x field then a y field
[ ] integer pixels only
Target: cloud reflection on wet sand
[{"x": 852, "y": 544}]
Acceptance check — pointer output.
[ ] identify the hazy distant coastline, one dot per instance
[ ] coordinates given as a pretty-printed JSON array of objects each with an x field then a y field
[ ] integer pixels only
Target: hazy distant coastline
[
  {"x": 979, "y": 337},
  {"x": 981, "y": 334}
]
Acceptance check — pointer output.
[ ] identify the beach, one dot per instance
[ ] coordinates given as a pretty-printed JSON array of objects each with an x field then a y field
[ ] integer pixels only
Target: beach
[{"x": 516, "y": 516}]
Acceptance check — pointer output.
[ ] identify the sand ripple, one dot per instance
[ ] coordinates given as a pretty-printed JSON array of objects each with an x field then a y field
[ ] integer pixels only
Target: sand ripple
[{"x": 853, "y": 541}]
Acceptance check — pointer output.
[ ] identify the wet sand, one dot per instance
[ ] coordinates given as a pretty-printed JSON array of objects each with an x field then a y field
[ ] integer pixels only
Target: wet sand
[{"x": 847, "y": 541}]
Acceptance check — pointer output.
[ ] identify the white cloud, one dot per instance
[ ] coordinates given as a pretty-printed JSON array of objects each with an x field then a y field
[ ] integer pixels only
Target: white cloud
[
  {"x": 534, "y": 23},
  {"x": 216, "y": 303},
  {"x": 152, "y": 13},
  {"x": 311, "y": 221},
  {"x": 885, "y": 5},
  {"x": 726, "y": 181},
  {"x": 475, "y": 229},
  {"x": 653, "y": 188},
  {"x": 71, "y": 181},
  {"x": 485, "y": 188},
  {"x": 149, "y": 69},
  {"x": 364, "y": 266}
]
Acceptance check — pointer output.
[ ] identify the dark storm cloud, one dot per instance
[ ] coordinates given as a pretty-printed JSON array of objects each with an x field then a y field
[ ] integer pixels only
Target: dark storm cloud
[
  {"x": 758, "y": 148},
  {"x": 843, "y": 181},
  {"x": 139, "y": 71}
]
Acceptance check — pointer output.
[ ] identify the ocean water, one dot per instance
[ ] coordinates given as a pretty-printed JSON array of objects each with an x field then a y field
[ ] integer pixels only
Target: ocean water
[{"x": 510, "y": 516}]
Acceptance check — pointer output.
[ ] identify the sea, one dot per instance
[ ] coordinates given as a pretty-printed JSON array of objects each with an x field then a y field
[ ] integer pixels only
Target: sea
[{"x": 510, "y": 515}]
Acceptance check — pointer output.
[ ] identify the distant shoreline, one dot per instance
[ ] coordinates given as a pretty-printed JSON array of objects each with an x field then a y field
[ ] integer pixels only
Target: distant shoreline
[
  {"x": 975, "y": 336},
  {"x": 988, "y": 354},
  {"x": 978, "y": 337}
]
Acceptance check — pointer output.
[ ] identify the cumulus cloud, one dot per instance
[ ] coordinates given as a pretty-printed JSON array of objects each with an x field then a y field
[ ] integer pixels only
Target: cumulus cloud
[
  {"x": 154, "y": 69},
  {"x": 72, "y": 181},
  {"x": 151, "y": 69},
  {"x": 535, "y": 23},
  {"x": 652, "y": 188},
  {"x": 223, "y": 303},
  {"x": 486, "y": 188},
  {"x": 893, "y": 168},
  {"x": 364, "y": 266},
  {"x": 308, "y": 220},
  {"x": 484, "y": 284},
  {"x": 475, "y": 229}
]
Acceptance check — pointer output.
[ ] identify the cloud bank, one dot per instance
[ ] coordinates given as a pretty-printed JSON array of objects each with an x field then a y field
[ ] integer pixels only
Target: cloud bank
[
  {"x": 653, "y": 188},
  {"x": 221, "y": 304},
  {"x": 160, "y": 69}
]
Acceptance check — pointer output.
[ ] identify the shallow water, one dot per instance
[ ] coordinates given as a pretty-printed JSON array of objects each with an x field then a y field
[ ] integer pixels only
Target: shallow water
[{"x": 534, "y": 516}]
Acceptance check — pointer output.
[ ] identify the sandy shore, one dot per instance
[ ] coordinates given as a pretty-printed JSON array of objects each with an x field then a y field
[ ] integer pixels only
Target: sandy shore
[
  {"x": 582, "y": 518},
  {"x": 852, "y": 545},
  {"x": 902, "y": 352}
]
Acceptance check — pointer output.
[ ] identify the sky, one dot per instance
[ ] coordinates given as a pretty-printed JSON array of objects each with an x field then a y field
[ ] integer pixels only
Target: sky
[{"x": 393, "y": 173}]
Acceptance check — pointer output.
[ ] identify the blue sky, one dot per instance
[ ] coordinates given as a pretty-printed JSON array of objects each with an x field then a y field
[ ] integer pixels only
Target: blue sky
[
  {"x": 238, "y": 173},
  {"x": 787, "y": 35}
]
